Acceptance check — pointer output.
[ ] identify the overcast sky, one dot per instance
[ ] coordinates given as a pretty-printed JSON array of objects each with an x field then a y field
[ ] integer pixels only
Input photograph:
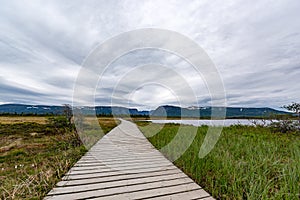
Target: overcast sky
[{"x": 255, "y": 46}]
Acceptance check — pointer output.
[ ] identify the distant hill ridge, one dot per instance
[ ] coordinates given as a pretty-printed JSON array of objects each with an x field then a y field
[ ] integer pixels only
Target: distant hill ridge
[
  {"x": 166, "y": 110},
  {"x": 231, "y": 112},
  {"x": 57, "y": 110}
]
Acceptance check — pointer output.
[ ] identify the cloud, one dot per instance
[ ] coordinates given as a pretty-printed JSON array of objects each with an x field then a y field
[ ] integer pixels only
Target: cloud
[{"x": 254, "y": 45}]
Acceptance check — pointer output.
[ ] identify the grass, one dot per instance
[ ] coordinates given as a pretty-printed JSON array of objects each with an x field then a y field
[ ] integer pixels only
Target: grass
[
  {"x": 34, "y": 156},
  {"x": 89, "y": 131},
  {"x": 21, "y": 119},
  {"x": 107, "y": 123},
  {"x": 246, "y": 163}
]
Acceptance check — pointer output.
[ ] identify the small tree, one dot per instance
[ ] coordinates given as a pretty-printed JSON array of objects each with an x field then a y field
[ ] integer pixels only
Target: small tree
[
  {"x": 294, "y": 107},
  {"x": 68, "y": 113}
]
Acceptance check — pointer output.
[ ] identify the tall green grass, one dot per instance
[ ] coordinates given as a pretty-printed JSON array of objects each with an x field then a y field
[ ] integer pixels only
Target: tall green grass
[{"x": 246, "y": 163}]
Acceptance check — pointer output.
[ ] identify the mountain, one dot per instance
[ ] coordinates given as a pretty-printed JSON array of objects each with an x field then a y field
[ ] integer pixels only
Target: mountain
[
  {"x": 231, "y": 112},
  {"x": 30, "y": 109},
  {"x": 57, "y": 110},
  {"x": 167, "y": 110},
  {"x": 112, "y": 110}
]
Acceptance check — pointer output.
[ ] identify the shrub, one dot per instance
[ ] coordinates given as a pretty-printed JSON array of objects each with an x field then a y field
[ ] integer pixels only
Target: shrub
[{"x": 285, "y": 126}]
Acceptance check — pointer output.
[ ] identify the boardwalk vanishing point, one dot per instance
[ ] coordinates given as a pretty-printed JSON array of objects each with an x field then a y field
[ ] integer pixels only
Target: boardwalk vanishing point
[{"x": 124, "y": 165}]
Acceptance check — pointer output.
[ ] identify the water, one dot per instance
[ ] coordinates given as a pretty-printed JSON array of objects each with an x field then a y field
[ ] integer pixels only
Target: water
[{"x": 226, "y": 122}]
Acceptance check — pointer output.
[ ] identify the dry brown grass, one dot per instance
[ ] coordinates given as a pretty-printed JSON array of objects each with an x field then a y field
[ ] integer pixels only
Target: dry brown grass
[
  {"x": 22, "y": 119},
  {"x": 108, "y": 123}
]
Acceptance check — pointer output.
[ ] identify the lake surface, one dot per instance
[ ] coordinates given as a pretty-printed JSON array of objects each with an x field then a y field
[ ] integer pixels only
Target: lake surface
[{"x": 226, "y": 122}]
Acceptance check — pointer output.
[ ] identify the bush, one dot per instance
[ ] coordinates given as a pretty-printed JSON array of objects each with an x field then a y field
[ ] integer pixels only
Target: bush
[
  {"x": 285, "y": 126},
  {"x": 280, "y": 123}
]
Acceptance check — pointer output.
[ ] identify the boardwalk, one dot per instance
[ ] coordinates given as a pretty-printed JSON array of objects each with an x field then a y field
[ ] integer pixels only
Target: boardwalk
[{"x": 124, "y": 165}]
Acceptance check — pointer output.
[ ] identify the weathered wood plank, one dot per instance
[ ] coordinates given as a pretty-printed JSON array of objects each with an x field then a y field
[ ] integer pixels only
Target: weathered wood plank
[
  {"x": 117, "y": 183},
  {"x": 116, "y": 177}
]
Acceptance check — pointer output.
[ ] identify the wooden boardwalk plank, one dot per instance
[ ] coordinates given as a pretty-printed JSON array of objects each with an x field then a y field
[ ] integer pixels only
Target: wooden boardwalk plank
[
  {"x": 124, "y": 165},
  {"x": 116, "y": 177}
]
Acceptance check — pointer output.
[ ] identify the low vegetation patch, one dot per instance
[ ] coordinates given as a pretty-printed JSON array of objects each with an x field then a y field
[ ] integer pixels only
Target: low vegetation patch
[
  {"x": 21, "y": 119},
  {"x": 34, "y": 156},
  {"x": 247, "y": 162}
]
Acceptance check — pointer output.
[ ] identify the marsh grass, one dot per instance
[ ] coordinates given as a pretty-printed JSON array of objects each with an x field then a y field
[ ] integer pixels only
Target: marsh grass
[
  {"x": 108, "y": 123},
  {"x": 247, "y": 162},
  {"x": 22, "y": 119},
  {"x": 33, "y": 156},
  {"x": 90, "y": 132}
]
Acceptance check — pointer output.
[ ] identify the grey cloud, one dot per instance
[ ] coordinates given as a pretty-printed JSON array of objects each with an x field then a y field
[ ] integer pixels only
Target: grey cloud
[
  {"x": 255, "y": 46},
  {"x": 10, "y": 90}
]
